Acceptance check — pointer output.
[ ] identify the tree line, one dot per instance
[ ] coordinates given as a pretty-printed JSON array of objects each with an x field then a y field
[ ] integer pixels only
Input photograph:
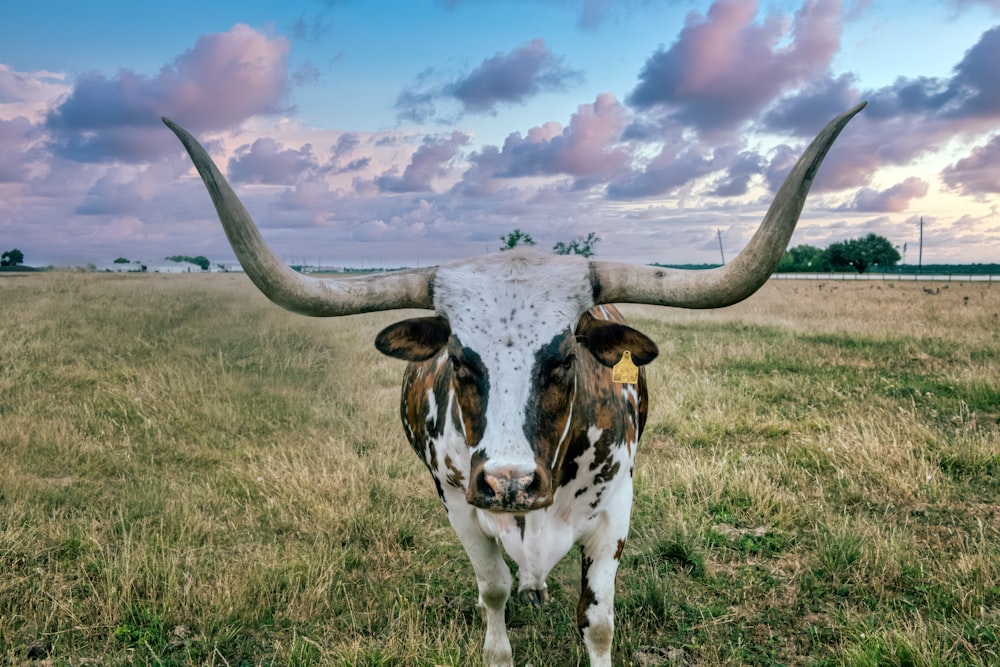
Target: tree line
[
  {"x": 860, "y": 255},
  {"x": 13, "y": 257},
  {"x": 871, "y": 251},
  {"x": 579, "y": 246}
]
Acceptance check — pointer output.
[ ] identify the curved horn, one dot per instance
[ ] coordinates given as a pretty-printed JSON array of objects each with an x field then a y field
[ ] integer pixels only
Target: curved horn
[
  {"x": 715, "y": 288},
  {"x": 328, "y": 297}
]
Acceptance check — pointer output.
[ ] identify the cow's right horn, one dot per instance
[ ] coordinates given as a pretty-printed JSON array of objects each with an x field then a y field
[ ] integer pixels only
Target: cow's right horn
[
  {"x": 319, "y": 297},
  {"x": 616, "y": 282}
]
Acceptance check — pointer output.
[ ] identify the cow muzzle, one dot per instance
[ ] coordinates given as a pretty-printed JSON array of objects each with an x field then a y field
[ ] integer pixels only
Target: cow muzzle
[{"x": 510, "y": 488}]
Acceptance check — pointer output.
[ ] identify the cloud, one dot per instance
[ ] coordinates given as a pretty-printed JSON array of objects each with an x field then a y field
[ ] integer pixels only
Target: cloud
[
  {"x": 676, "y": 164},
  {"x": 266, "y": 162},
  {"x": 968, "y": 100},
  {"x": 586, "y": 147},
  {"x": 891, "y": 200},
  {"x": 976, "y": 78},
  {"x": 589, "y": 149},
  {"x": 112, "y": 195},
  {"x": 416, "y": 106},
  {"x": 311, "y": 28},
  {"x": 511, "y": 78},
  {"x": 800, "y": 112},
  {"x": 995, "y": 4},
  {"x": 505, "y": 78},
  {"x": 18, "y": 137},
  {"x": 741, "y": 169},
  {"x": 978, "y": 173},
  {"x": 724, "y": 68},
  {"x": 430, "y": 161},
  {"x": 221, "y": 81},
  {"x": 904, "y": 120},
  {"x": 346, "y": 143},
  {"x": 29, "y": 94}
]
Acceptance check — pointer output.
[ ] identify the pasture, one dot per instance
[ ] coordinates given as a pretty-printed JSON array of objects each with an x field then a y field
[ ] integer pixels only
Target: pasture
[{"x": 190, "y": 475}]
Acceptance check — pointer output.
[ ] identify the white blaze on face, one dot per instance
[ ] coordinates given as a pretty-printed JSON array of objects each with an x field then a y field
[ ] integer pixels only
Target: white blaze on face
[{"x": 506, "y": 311}]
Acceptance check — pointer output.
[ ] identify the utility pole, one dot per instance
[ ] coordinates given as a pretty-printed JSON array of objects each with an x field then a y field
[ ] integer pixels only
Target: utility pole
[
  {"x": 721, "y": 252},
  {"x": 920, "y": 253}
]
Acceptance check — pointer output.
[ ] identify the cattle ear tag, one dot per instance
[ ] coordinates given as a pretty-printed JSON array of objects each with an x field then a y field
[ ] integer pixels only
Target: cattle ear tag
[{"x": 625, "y": 372}]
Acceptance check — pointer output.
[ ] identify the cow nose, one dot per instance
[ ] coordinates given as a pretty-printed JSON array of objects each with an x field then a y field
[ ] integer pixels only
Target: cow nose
[{"x": 510, "y": 488}]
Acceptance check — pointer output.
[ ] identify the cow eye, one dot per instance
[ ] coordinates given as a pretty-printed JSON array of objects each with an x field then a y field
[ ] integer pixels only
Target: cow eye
[
  {"x": 561, "y": 369},
  {"x": 461, "y": 370}
]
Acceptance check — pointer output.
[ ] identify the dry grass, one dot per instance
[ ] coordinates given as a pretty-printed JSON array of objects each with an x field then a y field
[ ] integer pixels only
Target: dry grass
[{"x": 191, "y": 476}]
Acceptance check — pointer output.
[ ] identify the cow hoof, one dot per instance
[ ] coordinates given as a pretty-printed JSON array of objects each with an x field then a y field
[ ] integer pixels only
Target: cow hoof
[{"x": 536, "y": 598}]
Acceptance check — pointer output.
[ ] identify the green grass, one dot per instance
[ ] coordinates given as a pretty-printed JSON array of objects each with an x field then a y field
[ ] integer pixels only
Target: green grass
[{"x": 191, "y": 476}]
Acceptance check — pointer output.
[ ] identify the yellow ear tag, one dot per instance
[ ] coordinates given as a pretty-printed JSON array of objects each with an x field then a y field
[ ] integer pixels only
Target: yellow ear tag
[{"x": 625, "y": 372}]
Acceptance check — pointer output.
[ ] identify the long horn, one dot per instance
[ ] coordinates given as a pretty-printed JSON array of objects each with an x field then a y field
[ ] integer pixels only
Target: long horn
[
  {"x": 328, "y": 297},
  {"x": 715, "y": 288}
]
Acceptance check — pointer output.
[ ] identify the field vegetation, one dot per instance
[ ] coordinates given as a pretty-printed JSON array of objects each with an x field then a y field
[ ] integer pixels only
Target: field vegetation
[{"x": 190, "y": 475}]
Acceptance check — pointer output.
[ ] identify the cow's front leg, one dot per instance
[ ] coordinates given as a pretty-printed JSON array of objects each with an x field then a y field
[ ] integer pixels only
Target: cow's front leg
[
  {"x": 595, "y": 612},
  {"x": 494, "y": 580}
]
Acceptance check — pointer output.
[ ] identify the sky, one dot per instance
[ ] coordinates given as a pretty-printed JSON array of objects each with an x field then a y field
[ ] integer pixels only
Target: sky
[{"x": 416, "y": 132}]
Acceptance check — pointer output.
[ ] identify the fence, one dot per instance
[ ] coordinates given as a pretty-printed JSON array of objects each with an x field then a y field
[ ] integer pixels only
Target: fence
[{"x": 935, "y": 277}]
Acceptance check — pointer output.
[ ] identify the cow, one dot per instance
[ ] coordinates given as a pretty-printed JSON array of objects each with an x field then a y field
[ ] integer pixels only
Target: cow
[{"x": 525, "y": 393}]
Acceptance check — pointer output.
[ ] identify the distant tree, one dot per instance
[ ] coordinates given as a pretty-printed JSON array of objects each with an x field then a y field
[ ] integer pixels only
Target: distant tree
[
  {"x": 862, "y": 254},
  {"x": 801, "y": 258},
  {"x": 514, "y": 239},
  {"x": 583, "y": 247},
  {"x": 200, "y": 260},
  {"x": 122, "y": 260},
  {"x": 12, "y": 258}
]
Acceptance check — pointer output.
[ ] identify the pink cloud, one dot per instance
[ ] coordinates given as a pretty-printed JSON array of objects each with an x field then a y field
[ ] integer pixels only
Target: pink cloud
[
  {"x": 589, "y": 149},
  {"x": 677, "y": 163},
  {"x": 266, "y": 162},
  {"x": 17, "y": 137},
  {"x": 221, "y": 81},
  {"x": 430, "y": 161},
  {"x": 724, "y": 68},
  {"x": 978, "y": 173},
  {"x": 891, "y": 200}
]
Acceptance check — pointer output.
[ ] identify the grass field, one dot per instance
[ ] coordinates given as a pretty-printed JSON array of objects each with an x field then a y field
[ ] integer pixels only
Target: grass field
[{"x": 191, "y": 476}]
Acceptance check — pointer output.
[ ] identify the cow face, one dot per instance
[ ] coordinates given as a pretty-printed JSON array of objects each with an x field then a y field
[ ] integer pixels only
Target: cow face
[{"x": 513, "y": 367}]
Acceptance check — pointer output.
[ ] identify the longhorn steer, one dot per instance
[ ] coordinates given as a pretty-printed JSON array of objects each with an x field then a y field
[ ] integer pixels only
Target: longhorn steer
[{"x": 508, "y": 397}]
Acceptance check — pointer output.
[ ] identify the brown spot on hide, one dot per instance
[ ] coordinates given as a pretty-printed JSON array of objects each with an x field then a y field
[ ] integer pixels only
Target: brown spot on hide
[
  {"x": 587, "y": 597},
  {"x": 472, "y": 387},
  {"x": 455, "y": 476},
  {"x": 620, "y": 549},
  {"x": 520, "y": 521}
]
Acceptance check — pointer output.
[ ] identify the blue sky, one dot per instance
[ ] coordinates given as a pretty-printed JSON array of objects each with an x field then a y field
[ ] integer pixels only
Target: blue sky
[{"x": 417, "y": 132}]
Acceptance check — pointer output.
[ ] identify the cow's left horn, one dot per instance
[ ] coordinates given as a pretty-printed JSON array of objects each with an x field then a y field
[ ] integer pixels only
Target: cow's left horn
[
  {"x": 629, "y": 283},
  {"x": 327, "y": 297}
]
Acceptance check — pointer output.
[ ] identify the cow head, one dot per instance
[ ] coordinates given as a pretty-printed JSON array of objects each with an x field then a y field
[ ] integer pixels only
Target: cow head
[{"x": 513, "y": 364}]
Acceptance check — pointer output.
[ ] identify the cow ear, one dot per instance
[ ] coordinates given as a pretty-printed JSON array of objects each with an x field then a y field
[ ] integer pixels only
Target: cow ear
[
  {"x": 608, "y": 340},
  {"x": 417, "y": 339}
]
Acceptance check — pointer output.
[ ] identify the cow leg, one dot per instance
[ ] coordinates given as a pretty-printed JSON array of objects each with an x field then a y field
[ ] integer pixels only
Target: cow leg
[
  {"x": 595, "y": 612},
  {"x": 494, "y": 580}
]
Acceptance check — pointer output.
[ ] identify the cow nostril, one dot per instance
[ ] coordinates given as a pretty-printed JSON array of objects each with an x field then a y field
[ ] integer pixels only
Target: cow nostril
[
  {"x": 485, "y": 488},
  {"x": 534, "y": 487}
]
